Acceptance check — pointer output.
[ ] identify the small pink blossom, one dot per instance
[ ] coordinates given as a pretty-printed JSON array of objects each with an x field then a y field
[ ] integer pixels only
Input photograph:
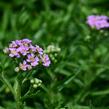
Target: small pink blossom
[
  {"x": 23, "y": 66},
  {"x": 23, "y": 50},
  {"x": 13, "y": 52},
  {"x": 46, "y": 61},
  {"x": 26, "y": 41},
  {"x": 13, "y": 44},
  {"x": 33, "y": 48},
  {"x": 34, "y": 60},
  {"x": 39, "y": 49}
]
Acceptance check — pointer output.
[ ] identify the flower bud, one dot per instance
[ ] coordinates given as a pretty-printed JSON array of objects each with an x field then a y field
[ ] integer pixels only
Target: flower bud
[
  {"x": 32, "y": 81},
  {"x": 17, "y": 69},
  {"x": 6, "y": 50},
  {"x": 37, "y": 81},
  {"x": 29, "y": 67},
  {"x": 35, "y": 86}
]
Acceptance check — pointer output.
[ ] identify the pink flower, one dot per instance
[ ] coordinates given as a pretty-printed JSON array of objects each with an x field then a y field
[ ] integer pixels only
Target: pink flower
[
  {"x": 26, "y": 41},
  {"x": 39, "y": 50},
  {"x": 13, "y": 44},
  {"x": 32, "y": 48},
  {"x": 23, "y": 50},
  {"x": 46, "y": 61},
  {"x": 13, "y": 52},
  {"x": 18, "y": 42},
  {"x": 98, "y": 22},
  {"x": 32, "y": 59},
  {"x": 23, "y": 66}
]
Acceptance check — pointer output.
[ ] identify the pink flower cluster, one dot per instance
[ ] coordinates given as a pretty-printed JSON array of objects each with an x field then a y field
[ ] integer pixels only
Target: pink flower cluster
[
  {"x": 32, "y": 55},
  {"x": 98, "y": 22}
]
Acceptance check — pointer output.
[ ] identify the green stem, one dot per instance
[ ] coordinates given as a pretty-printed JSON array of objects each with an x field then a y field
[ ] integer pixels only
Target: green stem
[
  {"x": 17, "y": 92},
  {"x": 6, "y": 82},
  {"x": 19, "y": 104}
]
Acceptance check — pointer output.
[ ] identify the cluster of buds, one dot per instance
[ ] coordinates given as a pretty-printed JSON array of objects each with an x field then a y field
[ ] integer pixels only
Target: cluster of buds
[
  {"x": 31, "y": 55},
  {"x": 98, "y": 22},
  {"x": 53, "y": 51},
  {"x": 36, "y": 82}
]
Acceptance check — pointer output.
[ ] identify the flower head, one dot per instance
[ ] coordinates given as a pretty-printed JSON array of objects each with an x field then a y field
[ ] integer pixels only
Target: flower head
[
  {"x": 98, "y": 22},
  {"x": 30, "y": 54}
]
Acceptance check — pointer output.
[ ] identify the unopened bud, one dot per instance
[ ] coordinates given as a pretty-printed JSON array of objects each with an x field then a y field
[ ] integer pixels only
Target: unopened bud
[
  {"x": 39, "y": 84},
  {"x": 37, "y": 81},
  {"x": 6, "y": 50},
  {"x": 32, "y": 81},
  {"x": 17, "y": 69},
  {"x": 35, "y": 85},
  {"x": 58, "y": 49},
  {"x": 29, "y": 67}
]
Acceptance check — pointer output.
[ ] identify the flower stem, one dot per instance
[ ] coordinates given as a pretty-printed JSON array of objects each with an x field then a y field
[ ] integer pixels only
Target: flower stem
[
  {"x": 16, "y": 91},
  {"x": 7, "y": 83},
  {"x": 19, "y": 104}
]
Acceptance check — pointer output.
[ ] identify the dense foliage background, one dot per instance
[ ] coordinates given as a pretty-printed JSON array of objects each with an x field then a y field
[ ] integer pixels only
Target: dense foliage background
[{"x": 80, "y": 78}]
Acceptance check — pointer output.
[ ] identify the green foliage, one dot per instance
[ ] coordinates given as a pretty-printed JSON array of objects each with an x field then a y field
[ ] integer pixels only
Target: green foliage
[{"x": 79, "y": 80}]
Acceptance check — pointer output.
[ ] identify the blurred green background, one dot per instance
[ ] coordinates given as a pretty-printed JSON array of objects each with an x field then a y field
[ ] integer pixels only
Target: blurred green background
[{"x": 80, "y": 78}]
